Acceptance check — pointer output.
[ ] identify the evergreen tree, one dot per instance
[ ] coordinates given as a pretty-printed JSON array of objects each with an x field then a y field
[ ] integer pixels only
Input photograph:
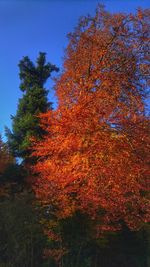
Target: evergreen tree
[
  {"x": 6, "y": 158},
  {"x": 34, "y": 101}
]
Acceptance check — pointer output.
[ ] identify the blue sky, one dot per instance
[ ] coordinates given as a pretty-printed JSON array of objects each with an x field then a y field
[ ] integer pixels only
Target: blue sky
[{"x": 27, "y": 27}]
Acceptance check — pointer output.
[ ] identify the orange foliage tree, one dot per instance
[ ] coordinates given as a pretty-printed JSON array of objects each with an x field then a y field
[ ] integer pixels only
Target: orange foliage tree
[{"x": 94, "y": 159}]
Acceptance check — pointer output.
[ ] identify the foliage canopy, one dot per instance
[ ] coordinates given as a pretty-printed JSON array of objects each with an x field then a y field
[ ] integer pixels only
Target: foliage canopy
[{"x": 94, "y": 158}]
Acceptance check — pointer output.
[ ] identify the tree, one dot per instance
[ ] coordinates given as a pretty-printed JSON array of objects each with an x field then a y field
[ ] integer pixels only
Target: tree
[
  {"x": 93, "y": 143},
  {"x": 22, "y": 238},
  {"x": 94, "y": 158},
  {"x": 24, "y": 245},
  {"x": 34, "y": 101},
  {"x": 6, "y": 158}
]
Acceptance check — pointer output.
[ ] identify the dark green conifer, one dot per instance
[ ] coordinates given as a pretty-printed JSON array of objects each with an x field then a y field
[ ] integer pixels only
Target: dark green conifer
[{"x": 33, "y": 102}]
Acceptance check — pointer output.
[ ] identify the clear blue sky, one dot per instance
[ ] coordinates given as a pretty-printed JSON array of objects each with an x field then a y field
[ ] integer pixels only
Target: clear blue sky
[{"x": 27, "y": 27}]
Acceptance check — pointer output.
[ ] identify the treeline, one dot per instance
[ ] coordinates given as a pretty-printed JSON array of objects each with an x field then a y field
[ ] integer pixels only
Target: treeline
[{"x": 74, "y": 181}]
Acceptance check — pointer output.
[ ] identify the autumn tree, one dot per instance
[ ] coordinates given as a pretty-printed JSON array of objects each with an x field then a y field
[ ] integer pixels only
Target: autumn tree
[
  {"x": 94, "y": 159},
  {"x": 34, "y": 101}
]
